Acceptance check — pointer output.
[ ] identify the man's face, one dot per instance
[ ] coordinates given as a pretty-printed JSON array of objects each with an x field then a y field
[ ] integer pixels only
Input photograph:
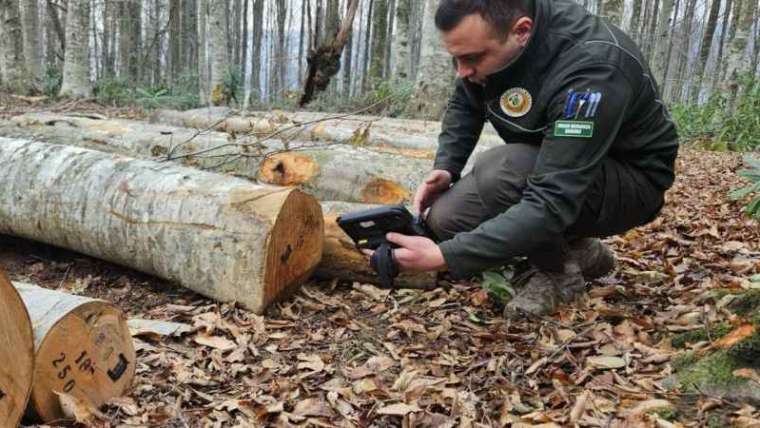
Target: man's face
[{"x": 478, "y": 51}]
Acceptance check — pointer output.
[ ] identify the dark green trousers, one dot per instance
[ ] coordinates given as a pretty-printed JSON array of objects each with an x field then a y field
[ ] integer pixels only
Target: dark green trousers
[{"x": 620, "y": 199}]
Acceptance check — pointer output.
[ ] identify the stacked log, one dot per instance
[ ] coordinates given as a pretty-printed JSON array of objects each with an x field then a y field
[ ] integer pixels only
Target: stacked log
[
  {"x": 327, "y": 171},
  {"x": 82, "y": 348},
  {"x": 16, "y": 354},
  {"x": 226, "y": 238}
]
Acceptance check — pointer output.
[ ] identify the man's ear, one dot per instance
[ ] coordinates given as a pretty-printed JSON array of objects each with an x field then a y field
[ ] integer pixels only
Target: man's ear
[{"x": 522, "y": 29}]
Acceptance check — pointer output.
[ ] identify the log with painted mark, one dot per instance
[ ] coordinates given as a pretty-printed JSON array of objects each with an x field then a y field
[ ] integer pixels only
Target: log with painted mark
[
  {"x": 223, "y": 237},
  {"x": 83, "y": 348},
  {"x": 16, "y": 354}
]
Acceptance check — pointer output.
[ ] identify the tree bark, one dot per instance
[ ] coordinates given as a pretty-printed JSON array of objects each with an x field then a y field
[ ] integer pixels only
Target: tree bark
[
  {"x": 401, "y": 42},
  {"x": 379, "y": 36},
  {"x": 737, "y": 62},
  {"x": 225, "y": 238},
  {"x": 76, "y": 66},
  {"x": 15, "y": 75},
  {"x": 343, "y": 261},
  {"x": 55, "y": 31},
  {"x": 175, "y": 41},
  {"x": 704, "y": 51},
  {"x": 220, "y": 62},
  {"x": 203, "y": 63},
  {"x": 257, "y": 32},
  {"x": 82, "y": 347},
  {"x": 435, "y": 76},
  {"x": 32, "y": 51},
  {"x": 613, "y": 11},
  {"x": 16, "y": 352}
]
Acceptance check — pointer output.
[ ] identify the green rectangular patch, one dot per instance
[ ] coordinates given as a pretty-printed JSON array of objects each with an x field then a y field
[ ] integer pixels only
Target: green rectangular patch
[{"x": 572, "y": 128}]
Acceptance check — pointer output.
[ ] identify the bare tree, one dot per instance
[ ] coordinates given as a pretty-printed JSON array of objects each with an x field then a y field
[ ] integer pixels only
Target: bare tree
[
  {"x": 402, "y": 41},
  {"x": 704, "y": 51},
  {"x": 203, "y": 65},
  {"x": 220, "y": 62}
]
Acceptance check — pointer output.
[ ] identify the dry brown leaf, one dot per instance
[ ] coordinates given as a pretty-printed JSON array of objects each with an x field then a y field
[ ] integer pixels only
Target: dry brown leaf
[
  {"x": 78, "y": 409},
  {"x": 398, "y": 409},
  {"x": 740, "y": 333},
  {"x": 580, "y": 407},
  {"x": 216, "y": 342},
  {"x": 748, "y": 373},
  {"x": 606, "y": 362},
  {"x": 312, "y": 407},
  {"x": 647, "y": 407}
]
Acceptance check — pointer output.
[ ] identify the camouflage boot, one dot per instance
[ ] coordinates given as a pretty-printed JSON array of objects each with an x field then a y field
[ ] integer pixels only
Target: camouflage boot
[
  {"x": 546, "y": 290},
  {"x": 594, "y": 258}
]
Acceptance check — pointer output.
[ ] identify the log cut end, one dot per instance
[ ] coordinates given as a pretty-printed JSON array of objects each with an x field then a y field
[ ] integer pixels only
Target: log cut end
[
  {"x": 295, "y": 246},
  {"x": 288, "y": 169},
  {"x": 88, "y": 353},
  {"x": 16, "y": 354},
  {"x": 343, "y": 261},
  {"x": 386, "y": 192}
]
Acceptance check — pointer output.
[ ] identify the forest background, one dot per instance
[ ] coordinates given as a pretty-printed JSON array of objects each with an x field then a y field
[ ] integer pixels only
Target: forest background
[{"x": 173, "y": 53}]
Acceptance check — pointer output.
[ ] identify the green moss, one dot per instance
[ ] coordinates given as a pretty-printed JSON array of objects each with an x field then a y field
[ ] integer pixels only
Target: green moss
[
  {"x": 667, "y": 414},
  {"x": 717, "y": 331},
  {"x": 715, "y": 370},
  {"x": 748, "y": 304},
  {"x": 683, "y": 360},
  {"x": 747, "y": 351}
]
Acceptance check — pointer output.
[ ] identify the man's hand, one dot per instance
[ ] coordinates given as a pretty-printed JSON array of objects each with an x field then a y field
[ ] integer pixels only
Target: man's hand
[
  {"x": 415, "y": 253},
  {"x": 437, "y": 182}
]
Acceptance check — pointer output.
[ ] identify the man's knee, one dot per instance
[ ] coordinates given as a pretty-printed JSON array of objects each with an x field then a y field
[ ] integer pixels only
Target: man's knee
[
  {"x": 501, "y": 174},
  {"x": 457, "y": 210}
]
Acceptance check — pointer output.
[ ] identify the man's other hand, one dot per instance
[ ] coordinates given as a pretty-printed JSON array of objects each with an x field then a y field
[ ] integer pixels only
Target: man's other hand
[
  {"x": 437, "y": 182},
  {"x": 415, "y": 253}
]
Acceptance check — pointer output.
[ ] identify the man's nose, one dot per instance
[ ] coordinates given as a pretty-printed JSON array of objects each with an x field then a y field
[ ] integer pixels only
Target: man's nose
[{"x": 464, "y": 71}]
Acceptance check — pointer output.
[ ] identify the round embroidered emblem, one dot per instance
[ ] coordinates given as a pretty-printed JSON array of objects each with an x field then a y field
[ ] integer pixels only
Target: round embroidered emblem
[{"x": 516, "y": 102}]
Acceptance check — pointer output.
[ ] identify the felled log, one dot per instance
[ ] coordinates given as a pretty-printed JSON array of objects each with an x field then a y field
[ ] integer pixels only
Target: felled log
[
  {"x": 371, "y": 131},
  {"x": 329, "y": 172},
  {"x": 83, "y": 348},
  {"x": 223, "y": 237},
  {"x": 343, "y": 261},
  {"x": 346, "y": 173},
  {"x": 16, "y": 354}
]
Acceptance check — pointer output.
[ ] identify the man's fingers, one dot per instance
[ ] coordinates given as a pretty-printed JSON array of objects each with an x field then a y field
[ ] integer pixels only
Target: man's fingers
[
  {"x": 399, "y": 239},
  {"x": 367, "y": 252}
]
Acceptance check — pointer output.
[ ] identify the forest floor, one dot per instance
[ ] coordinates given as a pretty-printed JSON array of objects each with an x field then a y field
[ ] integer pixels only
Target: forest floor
[{"x": 354, "y": 355}]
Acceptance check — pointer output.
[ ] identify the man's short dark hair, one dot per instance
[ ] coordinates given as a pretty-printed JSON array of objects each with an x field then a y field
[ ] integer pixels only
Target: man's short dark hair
[{"x": 500, "y": 14}]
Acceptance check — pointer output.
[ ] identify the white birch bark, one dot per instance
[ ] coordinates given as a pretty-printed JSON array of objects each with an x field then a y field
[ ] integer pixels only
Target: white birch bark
[
  {"x": 435, "y": 75},
  {"x": 401, "y": 42},
  {"x": 738, "y": 59},
  {"x": 225, "y": 238}
]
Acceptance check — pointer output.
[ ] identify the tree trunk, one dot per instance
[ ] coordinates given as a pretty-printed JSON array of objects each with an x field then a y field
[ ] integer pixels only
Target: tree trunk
[
  {"x": 32, "y": 51},
  {"x": 737, "y": 60},
  {"x": 343, "y": 261},
  {"x": 633, "y": 27},
  {"x": 76, "y": 66},
  {"x": 682, "y": 77},
  {"x": 367, "y": 52},
  {"x": 220, "y": 62},
  {"x": 237, "y": 18},
  {"x": 280, "y": 61},
  {"x": 203, "y": 63},
  {"x": 613, "y": 11},
  {"x": 244, "y": 42},
  {"x": 401, "y": 42},
  {"x": 379, "y": 36},
  {"x": 175, "y": 41},
  {"x": 256, "y": 40},
  {"x": 704, "y": 51},
  {"x": 348, "y": 60},
  {"x": 225, "y": 238},
  {"x": 56, "y": 35},
  {"x": 130, "y": 39},
  {"x": 82, "y": 347},
  {"x": 15, "y": 75},
  {"x": 435, "y": 75},
  {"x": 16, "y": 352}
]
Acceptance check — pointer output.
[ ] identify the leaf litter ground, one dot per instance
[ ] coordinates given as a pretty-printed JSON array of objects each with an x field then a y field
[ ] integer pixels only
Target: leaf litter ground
[{"x": 340, "y": 355}]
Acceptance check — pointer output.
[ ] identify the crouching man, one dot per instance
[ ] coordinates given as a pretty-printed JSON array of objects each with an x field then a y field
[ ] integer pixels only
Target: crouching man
[{"x": 589, "y": 151}]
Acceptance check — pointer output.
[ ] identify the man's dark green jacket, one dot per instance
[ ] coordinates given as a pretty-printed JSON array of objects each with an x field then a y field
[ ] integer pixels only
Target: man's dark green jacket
[{"x": 582, "y": 91}]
